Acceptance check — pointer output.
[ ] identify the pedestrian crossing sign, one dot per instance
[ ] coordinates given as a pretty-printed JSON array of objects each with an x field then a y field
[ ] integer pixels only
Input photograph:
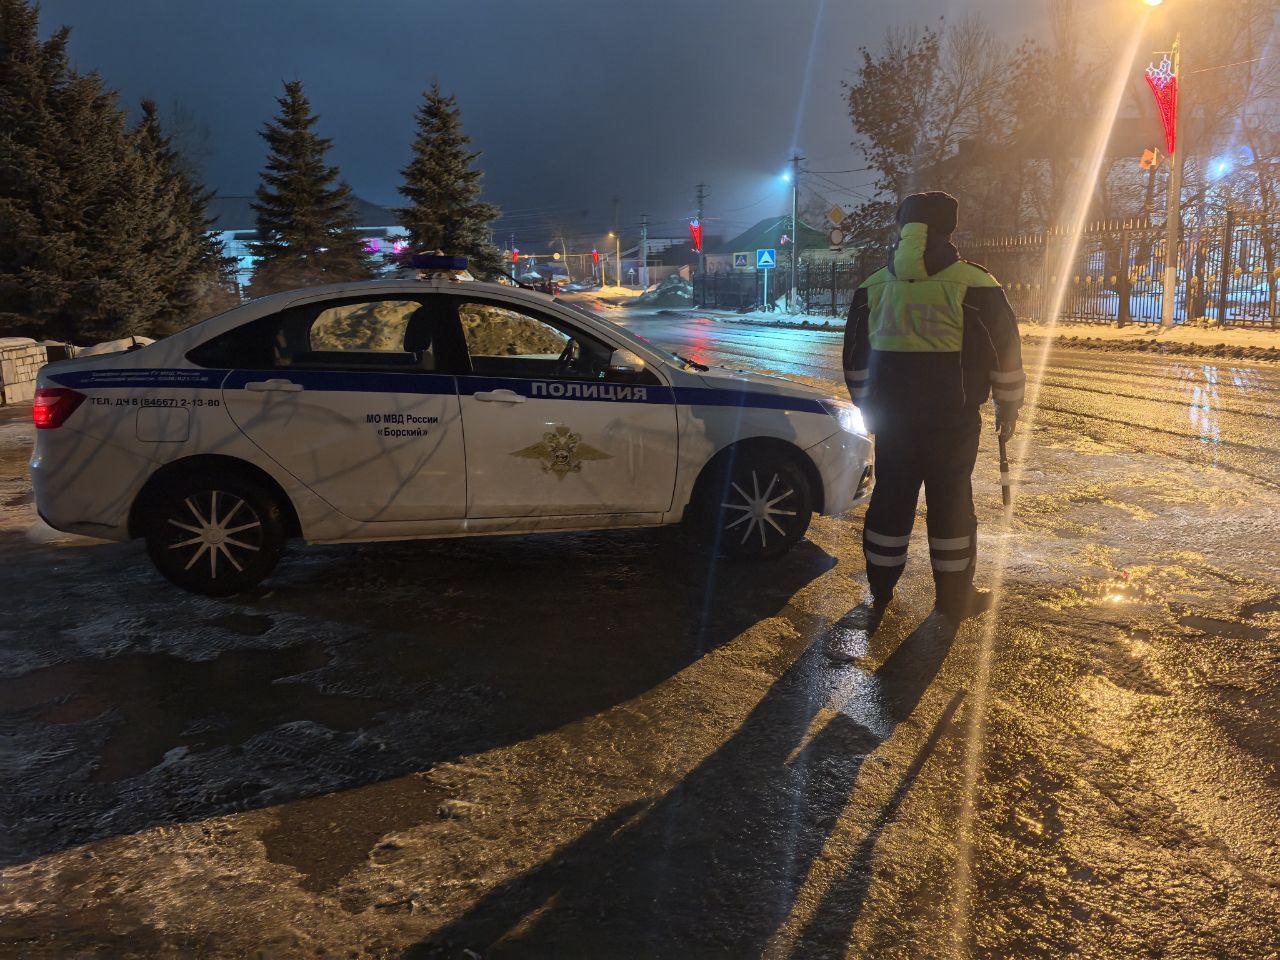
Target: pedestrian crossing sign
[
  {"x": 742, "y": 261},
  {"x": 766, "y": 259}
]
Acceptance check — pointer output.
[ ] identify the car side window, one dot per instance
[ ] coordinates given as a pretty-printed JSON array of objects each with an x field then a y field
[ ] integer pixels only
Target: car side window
[
  {"x": 359, "y": 333},
  {"x": 355, "y": 333},
  {"x": 503, "y": 341}
]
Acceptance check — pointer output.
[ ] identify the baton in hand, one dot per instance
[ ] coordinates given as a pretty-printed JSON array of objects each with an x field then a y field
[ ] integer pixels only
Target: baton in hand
[{"x": 1006, "y": 495}]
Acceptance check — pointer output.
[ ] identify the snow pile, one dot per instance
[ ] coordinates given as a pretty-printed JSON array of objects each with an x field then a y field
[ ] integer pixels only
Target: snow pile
[
  {"x": 114, "y": 346},
  {"x": 675, "y": 291}
]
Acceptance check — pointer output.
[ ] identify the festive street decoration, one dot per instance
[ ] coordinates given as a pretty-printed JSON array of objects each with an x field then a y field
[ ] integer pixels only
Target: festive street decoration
[
  {"x": 695, "y": 231},
  {"x": 1163, "y": 81}
]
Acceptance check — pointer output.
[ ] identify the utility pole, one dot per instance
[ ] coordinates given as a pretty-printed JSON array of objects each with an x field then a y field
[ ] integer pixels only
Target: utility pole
[
  {"x": 702, "y": 196},
  {"x": 795, "y": 234},
  {"x": 644, "y": 252}
]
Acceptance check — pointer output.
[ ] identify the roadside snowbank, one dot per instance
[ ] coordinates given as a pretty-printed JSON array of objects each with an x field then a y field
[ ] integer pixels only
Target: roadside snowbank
[{"x": 1240, "y": 343}]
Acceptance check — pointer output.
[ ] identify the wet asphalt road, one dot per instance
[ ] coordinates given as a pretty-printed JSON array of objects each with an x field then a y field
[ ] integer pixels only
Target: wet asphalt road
[{"x": 609, "y": 746}]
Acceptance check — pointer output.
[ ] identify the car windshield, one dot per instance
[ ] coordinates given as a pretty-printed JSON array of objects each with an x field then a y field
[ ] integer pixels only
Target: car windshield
[{"x": 682, "y": 362}]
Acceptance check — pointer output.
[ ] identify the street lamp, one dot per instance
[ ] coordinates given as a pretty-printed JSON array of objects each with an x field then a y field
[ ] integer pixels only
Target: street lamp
[
  {"x": 617, "y": 256},
  {"x": 1165, "y": 82}
]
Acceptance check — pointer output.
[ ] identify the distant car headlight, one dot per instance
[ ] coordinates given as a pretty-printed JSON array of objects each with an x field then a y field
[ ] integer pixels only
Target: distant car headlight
[{"x": 847, "y": 415}]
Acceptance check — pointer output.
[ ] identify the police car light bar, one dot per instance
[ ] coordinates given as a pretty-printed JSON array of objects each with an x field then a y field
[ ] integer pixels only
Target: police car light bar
[{"x": 434, "y": 261}]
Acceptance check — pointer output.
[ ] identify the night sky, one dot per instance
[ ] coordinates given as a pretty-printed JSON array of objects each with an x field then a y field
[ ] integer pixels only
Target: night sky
[{"x": 572, "y": 102}]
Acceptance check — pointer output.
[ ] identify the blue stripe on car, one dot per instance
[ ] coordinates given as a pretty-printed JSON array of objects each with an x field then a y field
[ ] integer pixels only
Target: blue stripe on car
[
  {"x": 141, "y": 377},
  {"x": 352, "y": 381},
  {"x": 596, "y": 390},
  {"x": 717, "y": 397},
  {"x": 348, "y": 381}
]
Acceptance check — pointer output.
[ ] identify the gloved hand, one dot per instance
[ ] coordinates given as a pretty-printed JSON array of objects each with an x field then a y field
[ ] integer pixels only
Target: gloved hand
[{"x": 1006, "y": 428}]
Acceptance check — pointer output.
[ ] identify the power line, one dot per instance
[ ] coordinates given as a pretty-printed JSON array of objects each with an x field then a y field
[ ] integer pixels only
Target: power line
[{"x": 854, "y": 170}]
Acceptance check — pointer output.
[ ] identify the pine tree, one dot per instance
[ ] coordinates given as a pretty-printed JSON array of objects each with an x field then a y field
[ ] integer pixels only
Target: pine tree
[
  {"x": 196, "y": 278},
  {"x": 88, "y": 210},
  {"x": 306, "y": 227},
  {"x": 443, "y": 190},
  {"x": 39, "y": 248}
]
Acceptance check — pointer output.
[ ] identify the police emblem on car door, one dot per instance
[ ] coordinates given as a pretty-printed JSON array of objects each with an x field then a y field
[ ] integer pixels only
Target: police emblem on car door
[
  {"x": 561, "y": 452},
  {"x": 550, "y": 429}
]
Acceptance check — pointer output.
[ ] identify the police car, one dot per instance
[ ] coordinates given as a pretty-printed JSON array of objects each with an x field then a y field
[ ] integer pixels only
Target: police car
[{"x": 424, "y": 407}]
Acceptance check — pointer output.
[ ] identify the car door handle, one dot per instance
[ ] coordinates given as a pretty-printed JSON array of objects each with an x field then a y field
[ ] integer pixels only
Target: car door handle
[
  {"x": 501, "y": 396},
  {"x": 284, "y": 386}
]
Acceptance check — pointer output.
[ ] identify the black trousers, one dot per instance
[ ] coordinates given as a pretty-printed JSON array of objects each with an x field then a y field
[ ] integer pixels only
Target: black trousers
[{"x": 941, "y": 460}]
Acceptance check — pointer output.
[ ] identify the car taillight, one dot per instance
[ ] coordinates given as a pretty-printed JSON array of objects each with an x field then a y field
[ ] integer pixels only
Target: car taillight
[{"x": 53, "y": 405}]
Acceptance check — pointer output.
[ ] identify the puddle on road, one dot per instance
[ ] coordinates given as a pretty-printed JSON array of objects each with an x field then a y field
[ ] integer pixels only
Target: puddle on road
[
  {"x": 1215, "y": 627},
  {"x": 245, "y": 624},
  {"x": 1124, "y": 587},
  {"x": 325, "y": 838},
  {"x": 1261, "y": 607},
  {"x": 156, "y": 702}
]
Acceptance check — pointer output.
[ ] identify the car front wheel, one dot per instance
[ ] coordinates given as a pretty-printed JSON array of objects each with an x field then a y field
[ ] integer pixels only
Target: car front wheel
[
  {"x": 217, "y": 535},
  {"x": 757, "y": 506}
]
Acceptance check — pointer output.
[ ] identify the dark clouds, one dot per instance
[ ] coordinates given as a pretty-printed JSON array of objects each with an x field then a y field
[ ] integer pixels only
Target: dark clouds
[{"x": 571, "y": 101}]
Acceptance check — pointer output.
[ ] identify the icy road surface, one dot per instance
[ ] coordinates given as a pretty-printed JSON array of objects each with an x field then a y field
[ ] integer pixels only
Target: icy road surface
[{"x": 606, "y": 746}]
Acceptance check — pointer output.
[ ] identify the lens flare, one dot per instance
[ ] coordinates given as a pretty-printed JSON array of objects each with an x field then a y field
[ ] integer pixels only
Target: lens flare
[{"x": 1076, "y": 218}]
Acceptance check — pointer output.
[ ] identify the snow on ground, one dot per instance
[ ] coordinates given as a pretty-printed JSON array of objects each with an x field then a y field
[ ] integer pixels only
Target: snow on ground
[
  {"x": 612, "y": 291},
  {"x": 1255, "y": 336}
]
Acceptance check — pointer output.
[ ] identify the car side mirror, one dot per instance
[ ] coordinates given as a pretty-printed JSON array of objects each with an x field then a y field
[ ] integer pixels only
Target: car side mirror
[{"x": 625, "y": 365}]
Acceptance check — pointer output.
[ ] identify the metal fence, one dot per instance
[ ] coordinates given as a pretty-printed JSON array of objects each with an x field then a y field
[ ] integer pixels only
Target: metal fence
[
  {"x": 825, "y": 287},
  {"x": 1229, "y": 271}
]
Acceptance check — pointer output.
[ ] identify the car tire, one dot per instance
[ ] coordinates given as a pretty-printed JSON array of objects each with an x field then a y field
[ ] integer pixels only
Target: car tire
[
  {"x": 215, "y": 534},
  {"x": 755, "y": 505}
]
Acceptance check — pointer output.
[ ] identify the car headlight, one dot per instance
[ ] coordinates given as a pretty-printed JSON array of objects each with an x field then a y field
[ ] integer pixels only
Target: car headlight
[{"x": 847, "y": 415}]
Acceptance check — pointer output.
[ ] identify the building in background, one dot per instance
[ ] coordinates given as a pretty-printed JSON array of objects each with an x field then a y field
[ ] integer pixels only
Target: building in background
[
  {"x": 235, "y": 223},
  {"x": 766, "y": 234}
]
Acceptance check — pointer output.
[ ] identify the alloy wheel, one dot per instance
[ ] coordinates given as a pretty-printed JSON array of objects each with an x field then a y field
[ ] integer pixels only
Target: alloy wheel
[
  {"x": 759, "y": 510},
  {"x": 225, "y": 532}
]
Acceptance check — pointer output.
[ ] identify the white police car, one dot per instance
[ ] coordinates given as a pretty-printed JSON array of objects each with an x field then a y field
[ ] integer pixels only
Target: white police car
[{"x": 416, "y": 408}]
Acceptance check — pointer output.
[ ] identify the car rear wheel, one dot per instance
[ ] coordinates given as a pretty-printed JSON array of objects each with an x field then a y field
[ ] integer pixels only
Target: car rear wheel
[
  {"x": 216, "y": 534},
  {"x": 756, "y": 506}
]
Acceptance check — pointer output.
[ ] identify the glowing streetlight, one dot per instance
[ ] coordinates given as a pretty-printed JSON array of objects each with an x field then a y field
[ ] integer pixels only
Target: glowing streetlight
[{"x": 1153, "y": 3}]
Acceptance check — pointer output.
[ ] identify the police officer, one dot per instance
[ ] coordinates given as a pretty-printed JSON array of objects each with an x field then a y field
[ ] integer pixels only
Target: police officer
[{"x": 928, "y": 337}]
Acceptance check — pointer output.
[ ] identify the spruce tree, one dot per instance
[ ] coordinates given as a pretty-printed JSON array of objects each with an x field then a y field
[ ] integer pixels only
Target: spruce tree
[
  {"x": 39, "y": 248},
  {"x": 196, "y": 278},
  {"x": 85, "y": 208},
  {"x": 306, "y": 227},
  {"x": 443, "y": 190}
]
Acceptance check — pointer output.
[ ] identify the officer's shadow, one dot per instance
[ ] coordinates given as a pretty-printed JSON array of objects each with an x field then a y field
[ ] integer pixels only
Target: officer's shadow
[{"x": 715, "y": 866}]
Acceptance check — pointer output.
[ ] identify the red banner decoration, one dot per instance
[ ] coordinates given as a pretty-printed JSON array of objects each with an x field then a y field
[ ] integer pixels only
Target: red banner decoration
[
  {"x": 1164, "y": 85},
  {"x": 695, "y": 231}
]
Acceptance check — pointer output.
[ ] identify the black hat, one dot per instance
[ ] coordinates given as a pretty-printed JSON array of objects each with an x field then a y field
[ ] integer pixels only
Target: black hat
[{"x": 940, "y": 211}]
